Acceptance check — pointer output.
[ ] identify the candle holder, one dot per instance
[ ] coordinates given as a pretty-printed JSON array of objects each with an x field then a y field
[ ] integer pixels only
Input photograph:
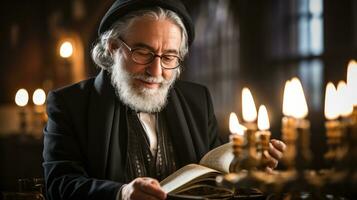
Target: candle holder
[
  {"x": 250, "y": 159},
  {"x": 237, "y": 145},
  {"x": 303, "y": 155},
  {"x": 244, "y": 150},
  {"x": 289, "y": 136},
  {"x": 23, "y": 125},
  {"x": 264, "y": 137},
  {"x": 334, "y": 137}
]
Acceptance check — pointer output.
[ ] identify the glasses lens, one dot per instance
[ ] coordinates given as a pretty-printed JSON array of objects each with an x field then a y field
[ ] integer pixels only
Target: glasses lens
[
  {"x": 142, "y": 56},
  {"x": 170, "y": 61},
  {"x": 145, "y": 56}
]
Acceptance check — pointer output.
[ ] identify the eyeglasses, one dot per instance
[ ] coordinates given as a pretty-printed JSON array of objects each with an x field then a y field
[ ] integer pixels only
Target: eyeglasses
[{"x": 144, "y": 56}]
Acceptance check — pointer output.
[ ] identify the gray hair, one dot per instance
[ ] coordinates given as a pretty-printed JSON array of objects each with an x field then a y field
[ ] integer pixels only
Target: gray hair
[{"x": 100, "y": 52}]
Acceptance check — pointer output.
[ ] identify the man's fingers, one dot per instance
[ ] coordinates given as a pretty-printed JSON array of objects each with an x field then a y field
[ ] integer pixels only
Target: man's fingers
[
  {"x": 274, "y": 152},
  {"x": 278, "y": 145},
  {"x": 150, "y": 187},
  {"x": 273, "y": 163}
]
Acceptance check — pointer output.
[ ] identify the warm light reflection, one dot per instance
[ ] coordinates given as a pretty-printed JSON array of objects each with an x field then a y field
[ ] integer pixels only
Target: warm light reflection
[
  {"x": 66, "y": 49},
  {"x": 234, "y": 126},
  {"x": 344, "y": 100},
  {"x": 263, "y": 119},
  {"x": 21, "y": 97},
  {"x": 249, "y": 110},
  {"x": 331, "y": 102},
  {"x": 298, "y": 106},
  {"x": 287, "y": 99},
  {"x": 352, "y": 80},
  {"x": 39, "y": 97}
]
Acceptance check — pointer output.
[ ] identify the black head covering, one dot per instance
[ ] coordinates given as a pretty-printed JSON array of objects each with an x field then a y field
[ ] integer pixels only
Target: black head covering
[{"x": 122, "y": 7}]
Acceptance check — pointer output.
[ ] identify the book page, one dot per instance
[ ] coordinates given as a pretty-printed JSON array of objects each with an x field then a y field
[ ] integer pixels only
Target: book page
[
  {"x": 219, "y": 158},
  {"x": 188, "y": 174}
]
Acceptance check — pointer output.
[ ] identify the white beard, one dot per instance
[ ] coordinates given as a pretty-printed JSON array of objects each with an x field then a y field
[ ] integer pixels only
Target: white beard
[{"x": 140, "y": 99}]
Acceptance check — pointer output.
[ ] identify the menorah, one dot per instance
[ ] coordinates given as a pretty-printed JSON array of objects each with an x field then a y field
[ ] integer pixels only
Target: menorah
[{"x": 250, "y": 143}]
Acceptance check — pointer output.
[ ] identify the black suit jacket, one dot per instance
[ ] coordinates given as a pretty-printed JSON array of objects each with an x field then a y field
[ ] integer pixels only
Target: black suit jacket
[{"x": 80, "y": 127}]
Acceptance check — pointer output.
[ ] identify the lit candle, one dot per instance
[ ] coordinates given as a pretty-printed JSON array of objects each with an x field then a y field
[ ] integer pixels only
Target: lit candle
[
  {"x": 302, "y": 126},
  {"x": 344, "y": 101},
  {"x": 264, "y": 134},
  {"x": 333, "y": 126},
  {"x": 331, "y": 101},
  {"x": 237, "y": 139},
  {"x": 288, "y": 127},
  {"x": 352, "y": 87},
  {"x": 249, "y": 111},
  {"x": 234, "y": 127},
  {"x": 288, "y": 122},
  {"x": 237, "y": 131},
  {"x": 352, "y": 81},
  {"x": 21, "y": 99},
  {"x": 66, "y": 49},
  {"x": 299, "y": 109},
  {"x": 39, "y": 98}
]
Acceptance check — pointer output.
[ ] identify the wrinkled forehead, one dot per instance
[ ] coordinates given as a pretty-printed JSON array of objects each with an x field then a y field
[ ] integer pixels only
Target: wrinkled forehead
[{"x": 156, "y": 33}]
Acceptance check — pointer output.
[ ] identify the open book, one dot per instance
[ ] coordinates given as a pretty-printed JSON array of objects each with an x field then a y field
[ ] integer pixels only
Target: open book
[{"x": 199, "y": 179}]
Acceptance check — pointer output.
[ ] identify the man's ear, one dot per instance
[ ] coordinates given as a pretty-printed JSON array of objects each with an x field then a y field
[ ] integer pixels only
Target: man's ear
[{"x": 113, "y": 46}]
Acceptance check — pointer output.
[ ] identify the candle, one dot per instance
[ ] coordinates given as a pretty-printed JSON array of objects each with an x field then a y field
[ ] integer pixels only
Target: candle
[
  {"x": 352, "y": 87},
  {"x": 264, "y": 134},
  {"x": 237, "y": 139},
  {"x": 299, "y": 109},
  {"x": 21, "y": 99},
  {"x": 288, "y": 122},
  {"x": 288, "y": 127},
  {"x": 333, "y": 126},
  {"x": 352, "y": 81},
  {"x": 39, "y": 98},
  {"x": 302, "y": 126},
  {"x": 344, "y": 101},
  {"x": 249, "y": 111},
  {"x": 237, "y": 133}
]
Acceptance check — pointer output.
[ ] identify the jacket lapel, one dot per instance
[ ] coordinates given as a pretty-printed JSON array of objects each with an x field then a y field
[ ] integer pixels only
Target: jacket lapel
[
  {"x": 100, "y": 119},
  {"x": 179, "y": 131}
]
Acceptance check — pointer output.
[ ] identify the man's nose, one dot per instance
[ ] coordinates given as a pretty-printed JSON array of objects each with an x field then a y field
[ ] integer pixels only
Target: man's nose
[{"x": 154, "y": 68}]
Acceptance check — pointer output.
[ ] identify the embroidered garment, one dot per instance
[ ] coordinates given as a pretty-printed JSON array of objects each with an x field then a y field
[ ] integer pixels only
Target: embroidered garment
[{"x": 140, "y": 161}]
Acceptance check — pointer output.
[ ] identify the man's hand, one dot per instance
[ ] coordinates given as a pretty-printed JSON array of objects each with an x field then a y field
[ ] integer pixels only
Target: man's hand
[
  {"x": 143, "y": 188},
  {"x": 276, "y": 150}
]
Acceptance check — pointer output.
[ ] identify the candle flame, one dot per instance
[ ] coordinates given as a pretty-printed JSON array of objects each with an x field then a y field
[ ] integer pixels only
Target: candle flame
[
  {"x": 248, "y": 106},
  {"x": 39, "y": 97},
  {"x": 345, "y": 104},
  {"x": 234, "y": 126},
  {"x": 331, "y": 102},
  {"x": 21, "y": 97},
  {"x": 287, "y": 99},
  {"x": 66, "y": 49},
  {"x": 298, "y": 106},
  {"x": 352, "y": 80},
  {"x": 263, "y": 119}
]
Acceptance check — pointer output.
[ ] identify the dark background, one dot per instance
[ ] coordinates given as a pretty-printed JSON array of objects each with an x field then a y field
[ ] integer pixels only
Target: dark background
[{"x": 239, "y": 43}]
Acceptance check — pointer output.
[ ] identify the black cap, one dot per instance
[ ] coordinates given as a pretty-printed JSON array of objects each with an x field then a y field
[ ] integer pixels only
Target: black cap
[{"x": 122, "y": 7}]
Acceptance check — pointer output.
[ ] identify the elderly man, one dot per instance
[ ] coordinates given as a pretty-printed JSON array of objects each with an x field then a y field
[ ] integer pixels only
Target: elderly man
[{"x": 115, "y": 135}]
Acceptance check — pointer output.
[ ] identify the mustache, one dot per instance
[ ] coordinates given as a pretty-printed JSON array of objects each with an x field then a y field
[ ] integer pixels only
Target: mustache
[{"x": 150, "y": 79}]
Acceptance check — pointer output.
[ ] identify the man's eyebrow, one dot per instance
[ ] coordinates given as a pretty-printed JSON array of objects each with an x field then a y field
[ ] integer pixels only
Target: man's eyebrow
[{"x": 143, "y": 45}]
